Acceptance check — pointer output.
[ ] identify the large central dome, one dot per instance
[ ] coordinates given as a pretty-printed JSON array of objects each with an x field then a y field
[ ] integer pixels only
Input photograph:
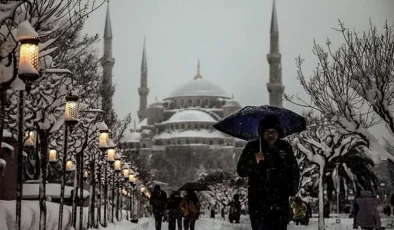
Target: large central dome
[{"x": 199, "y": 87}]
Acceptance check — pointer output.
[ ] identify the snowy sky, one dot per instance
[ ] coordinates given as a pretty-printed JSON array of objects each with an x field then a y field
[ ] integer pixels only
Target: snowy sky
[{"x": 230, "y": 37}]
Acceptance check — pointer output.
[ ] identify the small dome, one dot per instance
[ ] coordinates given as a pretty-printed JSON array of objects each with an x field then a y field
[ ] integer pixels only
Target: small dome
[
  {"x": 199, "y": 87},
  {"x": 156, "y": 105},
  {"x": 191, "y": 116},
  {"x": 232, "y": 103},
  {"x": 132, "y": 137}
]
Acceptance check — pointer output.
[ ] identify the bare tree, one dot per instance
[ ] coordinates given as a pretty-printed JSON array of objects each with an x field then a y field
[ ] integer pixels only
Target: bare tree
[{"x": 353, "y": 86}]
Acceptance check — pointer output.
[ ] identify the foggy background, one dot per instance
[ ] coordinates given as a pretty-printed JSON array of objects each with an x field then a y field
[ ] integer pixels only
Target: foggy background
[{"x": 230, "y": 37}]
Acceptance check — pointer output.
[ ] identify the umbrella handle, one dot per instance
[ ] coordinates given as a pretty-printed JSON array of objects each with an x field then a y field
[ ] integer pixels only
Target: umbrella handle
[{"x": 260, "y": 145}]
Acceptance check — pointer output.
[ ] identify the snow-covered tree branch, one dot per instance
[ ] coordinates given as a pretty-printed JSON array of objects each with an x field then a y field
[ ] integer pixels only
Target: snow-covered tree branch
[{"x": 353, "y": 86}]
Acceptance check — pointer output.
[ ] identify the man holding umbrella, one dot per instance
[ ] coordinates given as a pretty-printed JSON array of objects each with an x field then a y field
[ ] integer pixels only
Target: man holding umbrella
[{"x": 273, "y": 174}]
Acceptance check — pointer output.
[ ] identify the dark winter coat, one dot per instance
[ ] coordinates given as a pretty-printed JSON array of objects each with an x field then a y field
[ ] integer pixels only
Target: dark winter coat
[
  {"x": 173, "y": 204},
  {"x": 368, "y": 215},
  {"x": 158, "y": 200},
  {"x": 271, "y": 181}
]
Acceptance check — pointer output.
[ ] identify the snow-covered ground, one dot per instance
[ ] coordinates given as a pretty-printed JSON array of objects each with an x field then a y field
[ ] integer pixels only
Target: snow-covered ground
[{"x": 30, "y": 218}]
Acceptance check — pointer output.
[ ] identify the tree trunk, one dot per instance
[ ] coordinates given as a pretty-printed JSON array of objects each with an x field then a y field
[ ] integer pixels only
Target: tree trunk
[
  {"x": 321, "y": 225},
  {"x": 43, "y": 177}
]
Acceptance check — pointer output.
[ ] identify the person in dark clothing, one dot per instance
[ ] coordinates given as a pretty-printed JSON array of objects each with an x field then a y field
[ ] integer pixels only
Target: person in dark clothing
[
  {"x": 326, "y": 210},
  {"x": 190, "y": 207},
  {"x": 235, "y": 209},
  {"x": 174, "y": 211},
  {"x": 158, "y": 201},
  {"x": 273, "y": 174},
  {"x": 212, "y": 213}
]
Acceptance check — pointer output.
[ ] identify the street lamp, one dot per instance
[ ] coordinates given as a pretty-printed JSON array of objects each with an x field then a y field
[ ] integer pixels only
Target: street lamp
[
  {"x": 126, "y": 171},
  {"x": 85, "y": 175},
  {"x": 103, "y": 146},
  {"x": 70, "y": 167},
  {"x": 53, "y": 156},
  {"x": 72, "y": 109},
  {"x": 28, "y": 72},
  {"x": 29, "y": 67}
]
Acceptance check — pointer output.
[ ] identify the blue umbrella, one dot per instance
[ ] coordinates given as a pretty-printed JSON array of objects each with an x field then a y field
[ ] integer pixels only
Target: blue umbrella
[{"x": 244, "y": 124}]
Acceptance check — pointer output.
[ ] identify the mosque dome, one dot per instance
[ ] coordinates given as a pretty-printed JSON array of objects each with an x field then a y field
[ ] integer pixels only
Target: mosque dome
[
  {"x": 198, "y": 87},
  {"x": 156, "y": 105},
  {"x": 190, "y": 116},
  {"x": 232, "y": 103}
]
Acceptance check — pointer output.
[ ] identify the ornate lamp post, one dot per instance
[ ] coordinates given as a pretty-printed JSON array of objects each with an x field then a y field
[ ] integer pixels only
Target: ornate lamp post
[
  {"x": 117, "y": 170},
  {"x": 70, "y": 120},
  {"x": 338, "y": 219},
  {"x": 111, "y": 153},
  {"x": 28, "y": 72},
  {"x": 103, "y": 146}
]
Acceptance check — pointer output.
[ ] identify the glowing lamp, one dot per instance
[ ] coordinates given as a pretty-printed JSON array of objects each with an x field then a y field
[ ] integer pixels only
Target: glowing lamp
[
  {"x": 125, "y": 173},
  {"x": 85, "y": 175},
  {"x": 53, "y": 156},
  {"x": 69, "y": 166},
  {"x": 111, "y": 155},
  {"x": 142, "y": 189},
  {"x": 71, "y": 111},
  {"x": 118, "y": 165},
  {"x": 29, "y": 68}
]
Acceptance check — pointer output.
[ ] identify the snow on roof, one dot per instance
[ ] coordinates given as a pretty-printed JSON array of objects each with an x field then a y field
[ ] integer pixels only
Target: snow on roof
[
  {"x": 31, "y": 191},
  {"x": 25, "y": 31},
  {"x": 199, "y": 87},
  {"x": 190, "y": 115},
  {"x": 7, "y": 146},
  {"x": 203, "y": 133},
  {"x": 156, "y": 105},
  {"x": 146, "y": 131},
  {"x": 232, "y": 103},
  {"x": 142, "y": 123},
  {"x": 132, "y": 136}
]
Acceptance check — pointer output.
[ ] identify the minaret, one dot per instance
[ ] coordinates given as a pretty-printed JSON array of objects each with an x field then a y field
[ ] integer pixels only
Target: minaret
[
  {"x": 107, "y": 62},
  {"x": 198, "y": 75},
  {"x": 143, "y": 90},
  {"x": 274, "y": 86}
]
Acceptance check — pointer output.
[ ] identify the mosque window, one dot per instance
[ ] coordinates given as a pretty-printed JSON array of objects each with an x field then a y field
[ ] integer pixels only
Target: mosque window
[
  {"x": 211, "y": 142},
  {"x": 179, "y": 142},
  {"x": 182, "y": 103},
  {"x": 221, "y": 142},
  {"x": 206, "y": 102},
  {"x": 190, "y": 102},
  {"x": 182, "y": 126},
  {"x": 187, "y": 141},
  {"x": 198, "y": 102},
  {"x": 176, "y": 126},
  {"x": 143, "y": 146}
]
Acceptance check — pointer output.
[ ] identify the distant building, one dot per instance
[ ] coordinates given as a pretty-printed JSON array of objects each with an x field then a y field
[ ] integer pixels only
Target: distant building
[{"x": 176, "y": 135}]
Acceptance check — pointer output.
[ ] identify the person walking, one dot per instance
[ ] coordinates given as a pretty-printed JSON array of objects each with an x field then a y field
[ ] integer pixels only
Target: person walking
[
  {"x": 174, "y": 210},
  {"x": 158, "y": 201},
  {"x": 190, "y": 207},
  {"x": 299, "y": 211},
  {"x": 235, "y": 209},
  {"x": 273, "y": 173},
  {"x": 368, "y": 217}
]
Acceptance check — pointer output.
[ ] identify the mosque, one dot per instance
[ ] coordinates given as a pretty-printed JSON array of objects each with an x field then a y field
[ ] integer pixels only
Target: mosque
[{"x": 176, "y": 135}]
